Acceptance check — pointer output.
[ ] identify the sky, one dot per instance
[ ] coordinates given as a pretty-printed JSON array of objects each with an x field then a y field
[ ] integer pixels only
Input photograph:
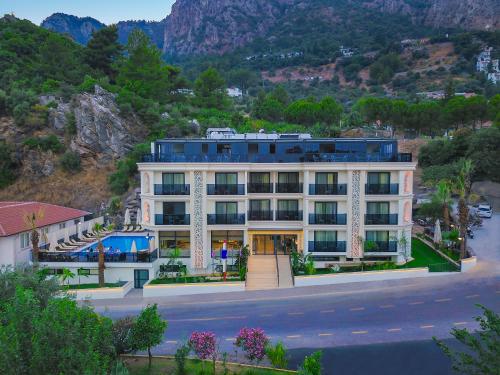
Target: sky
[{"x": 106, "y": 11}]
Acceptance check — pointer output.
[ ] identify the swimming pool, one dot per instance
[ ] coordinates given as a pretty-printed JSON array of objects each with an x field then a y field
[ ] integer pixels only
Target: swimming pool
[{"x": 124, "y": 243}]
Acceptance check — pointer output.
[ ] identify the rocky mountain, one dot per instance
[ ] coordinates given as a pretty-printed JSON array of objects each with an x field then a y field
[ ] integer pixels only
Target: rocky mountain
[{"x": 81, "y": 29}]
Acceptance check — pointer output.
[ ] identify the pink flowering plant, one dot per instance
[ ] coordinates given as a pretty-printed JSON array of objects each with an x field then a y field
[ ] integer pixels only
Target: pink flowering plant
[
  {"x": 203, "y": 344},
  {"x": 253, "y": 342}
]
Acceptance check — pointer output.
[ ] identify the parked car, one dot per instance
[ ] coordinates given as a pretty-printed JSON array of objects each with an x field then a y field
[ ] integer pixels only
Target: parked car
[{"x": 484, "y": 210}]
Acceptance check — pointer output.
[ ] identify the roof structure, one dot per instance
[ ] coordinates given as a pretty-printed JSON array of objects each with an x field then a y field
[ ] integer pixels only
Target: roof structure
[{"x": 12, "y": 215}]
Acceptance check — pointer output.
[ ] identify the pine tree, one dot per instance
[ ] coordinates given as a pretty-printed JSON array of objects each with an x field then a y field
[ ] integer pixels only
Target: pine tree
[{"x": 103, "y": 50}]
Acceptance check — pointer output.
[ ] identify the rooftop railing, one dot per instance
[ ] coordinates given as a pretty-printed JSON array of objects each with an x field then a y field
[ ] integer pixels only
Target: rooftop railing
[
  {"x": 87, "y": 257},
  {"x": 327, "y": 247}
]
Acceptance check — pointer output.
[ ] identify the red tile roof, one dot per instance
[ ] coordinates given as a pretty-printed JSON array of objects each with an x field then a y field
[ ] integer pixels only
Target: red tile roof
[{"x": 12, "y": 215}]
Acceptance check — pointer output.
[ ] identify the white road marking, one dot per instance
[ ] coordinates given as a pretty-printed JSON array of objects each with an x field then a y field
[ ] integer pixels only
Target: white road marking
[
  {"x": 171, "y": 342},
  {"x": 359, "y": 332},
  {"x": 442, "y": 300},
  {"x": 416, "y": 303},
  {"x": 472, "y": 296},
  {"x": 459, "y": 323},
  {"x": 394, "y": 330},
  {"x": 230, "y": 339},
  {"x": 295, "y": 313},
  {"x": 427, "y": 326},
  {"x": 327, "y": 311},
  {"x": 386, "y": 306},
  {"x": 266, "y": 315},
  {"x": 356, "y": 308},
  {"x": 293, "y": 336},
  {"x": 325, "y": 334}
]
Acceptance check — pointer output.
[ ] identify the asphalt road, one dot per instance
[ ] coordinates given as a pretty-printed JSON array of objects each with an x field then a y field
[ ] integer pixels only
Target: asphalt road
[{"x": 385, "y": 323}]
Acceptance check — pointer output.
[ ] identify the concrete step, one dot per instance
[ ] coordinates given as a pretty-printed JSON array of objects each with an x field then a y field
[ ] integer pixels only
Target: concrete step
[
  {"x": 262, "y": 273},
  {"x": 285, "y": 272}
]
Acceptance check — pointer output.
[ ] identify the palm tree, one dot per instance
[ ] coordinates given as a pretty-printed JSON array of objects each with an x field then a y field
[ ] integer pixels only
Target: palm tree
[
  {"x": 463, "y": 185},
  {"x": 98, "y": 228},
  {"x": 443, "y": 196},
  {"x": 32, "y": 221}
]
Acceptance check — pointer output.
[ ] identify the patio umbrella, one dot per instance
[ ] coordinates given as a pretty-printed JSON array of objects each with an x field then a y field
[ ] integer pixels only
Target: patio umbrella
[
  {"x": 126, "y": 219},
  {"x": 139, "y": 217},
  {"x": 437, "y": 233},
  {"x": 52, "y": 241},
  {"x": 66, "y": 235},
  {"x": 79, "y": 229},
  {"x": 133, "y": 248}
]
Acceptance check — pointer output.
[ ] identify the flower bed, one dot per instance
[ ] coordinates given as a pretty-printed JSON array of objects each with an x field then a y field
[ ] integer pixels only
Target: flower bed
[
  {"x": 195, "y": 279},
  {"x": 96, "y": 285}
]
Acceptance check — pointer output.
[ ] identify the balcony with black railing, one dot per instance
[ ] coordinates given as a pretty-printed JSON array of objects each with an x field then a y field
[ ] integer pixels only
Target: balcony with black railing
[
  {"x": 260, "y": 215},
  {"x": 172, "y": 219},
  {"x": 382, "y": 189},
  {"x": 231, "y": 219},
  {"x": 330, "y": 219},
  {"x": 93, "y": 257},
  {"x": 380, "y": 246},
  {"x": 381, "y": 219},
  {"x": 327, "y": 189},
  {"x": 327, "y": 247},
  {"x": 259, "y": 188},
  {"x": 286, "y": 215},
  {"x": 289, "y": 187},
  {"x": 171, "y": 189},
  {"x": 226, "y": 189}
]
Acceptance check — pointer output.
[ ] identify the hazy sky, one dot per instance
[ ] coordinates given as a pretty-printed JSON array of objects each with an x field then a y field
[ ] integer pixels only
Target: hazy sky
[{"x": 107, "y": 11}]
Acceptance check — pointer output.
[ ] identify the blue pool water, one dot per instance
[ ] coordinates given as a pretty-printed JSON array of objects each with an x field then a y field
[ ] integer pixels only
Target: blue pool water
[{"x": 124, "y": 243}]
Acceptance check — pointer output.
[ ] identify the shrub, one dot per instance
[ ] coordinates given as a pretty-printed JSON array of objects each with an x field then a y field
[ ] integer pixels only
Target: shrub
[
  {"x": 121, "y": 332},
  {"x": 48, "y": 143},
  {"x": 277, "y": 355},
  {"x": 70, "y": 162},
  {"x": 203, "y": 344},
  {"x": 253, "y": 342},
  {"x": 8, "y": 165},
  {"x": 70, "y": 128},
  {"x": 180, "y": 359},
  {"x": 311, "y": 364}
]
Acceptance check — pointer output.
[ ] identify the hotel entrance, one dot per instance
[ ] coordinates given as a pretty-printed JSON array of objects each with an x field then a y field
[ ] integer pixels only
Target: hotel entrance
[{"x": 267, "y": 243}]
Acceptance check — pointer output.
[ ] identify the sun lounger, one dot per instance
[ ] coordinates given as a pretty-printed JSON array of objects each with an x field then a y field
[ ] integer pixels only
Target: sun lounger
[{"x": 138, "y": 229}]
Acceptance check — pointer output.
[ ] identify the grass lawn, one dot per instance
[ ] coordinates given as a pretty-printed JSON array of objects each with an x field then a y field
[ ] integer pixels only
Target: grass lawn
[
  {"x": 192, "y": 279},
  {"x": 423, "y": 255},
  {"x": 139, "y": 366},
  {"x": 96, "y": 286}
]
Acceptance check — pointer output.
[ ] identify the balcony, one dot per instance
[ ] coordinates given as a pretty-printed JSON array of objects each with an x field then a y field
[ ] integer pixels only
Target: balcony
[
  {"x": 326, "y": 247},
  {"x": 288, "y": 187},
  {"x": 232, "y": 219},
  {"x": 178, "y": 219},
  {"x": 259, "y": 188},
  {"x": 87, "y": 257},
  {"x": 260, "y": 215},
  {"x": 382, "y": 189},
  {"x": 289, "y": 215},
  {"x": 226, "y": 189},
  {"x": 171, "y": 189},
  {"x": 381, "y": 246},
  {"x": 331, "y": 219},
  {"x": 327, "y": 189},
  {"x": 381, "y": 219}
]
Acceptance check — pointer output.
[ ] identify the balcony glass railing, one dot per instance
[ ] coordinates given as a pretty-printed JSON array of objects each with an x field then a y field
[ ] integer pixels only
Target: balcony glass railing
[
  {"x": 253, "y": 187},
  {"x": 288, "y": 187},
  {"x": 333, "y": 219},
  {"x": 381, "y": 219},
  {"x": 260, "y": 215},
  {"x": 225, "y": 219},
  {"x": 289, "y": 215},
  {"x": 380, "y": 246},
  {"x": 328, "y": 189},
  {"x": 169, "y": 189},
  {"x": 382, "y": 189},
  {"x": 226, "y": 189},
  {"x": 326, "y": 246},
  {"x": 87, "y": 257},
  {"x": 178, "y": 219}
]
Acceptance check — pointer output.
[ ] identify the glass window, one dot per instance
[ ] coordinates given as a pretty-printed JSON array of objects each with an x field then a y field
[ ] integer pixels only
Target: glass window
[
  {"x": 295, "y": 149},
  {"x": 253, "y": 148},
  {"x": 288, "y": 177},
  {"x": 379, "y": 178},
  {"x": 25, "y": 240},
  {"x": 288, "y": 205},
  {"x": 379, "y": 236},
  {"x": 272, "y": 148},
  {"x": 178, "y": 148},
  {"x": 173, "y": 178},
  {"x": 260, "y": 177},
  {"x": 226, "y": 178},
  {"x": 326, "y": 178},
  {"x": 381, "y": 208},
  {"x": 204, "y": 148},
  {"x": 325, "y": 208},
  {"x": 234, "y": 240},
  {"x": 373, "y": 148},
  {"x": 259, "y": 205},
  {"x": 62, "y": 225},
  {"x": 226, "y": 208},
  {"x": 325, "y": 236},
  {"x": 174, "y": 208},
  {"x": 327, "y": 148},
  {"x": 172, "y": 240},
  {"x": 223, "y": 148}
]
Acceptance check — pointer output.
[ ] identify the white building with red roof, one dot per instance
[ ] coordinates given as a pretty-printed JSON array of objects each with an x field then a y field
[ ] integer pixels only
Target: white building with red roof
[{"x": 53, "y": 222}]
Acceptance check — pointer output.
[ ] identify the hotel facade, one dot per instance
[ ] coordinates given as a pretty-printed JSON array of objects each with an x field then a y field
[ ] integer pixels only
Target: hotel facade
[{"x": 340, "y": 200}]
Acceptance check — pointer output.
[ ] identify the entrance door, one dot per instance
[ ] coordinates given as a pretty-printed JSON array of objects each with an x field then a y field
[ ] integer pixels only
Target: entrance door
[
  {"x": 140, "y": 278},
  {"x": 271, "y": 244}
]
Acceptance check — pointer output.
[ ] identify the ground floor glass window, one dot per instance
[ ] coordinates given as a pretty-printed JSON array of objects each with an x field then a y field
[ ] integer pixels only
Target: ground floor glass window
[{"x": 172, "y": 240}]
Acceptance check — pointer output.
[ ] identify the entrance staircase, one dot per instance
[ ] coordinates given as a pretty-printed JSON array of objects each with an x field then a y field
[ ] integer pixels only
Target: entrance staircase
[{"x": 268, "y": 272}]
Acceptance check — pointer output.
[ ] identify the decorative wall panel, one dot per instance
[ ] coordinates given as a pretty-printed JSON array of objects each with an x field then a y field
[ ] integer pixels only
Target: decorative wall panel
[
  {"x": 356, "y": 248},
  {"x": 197, "y": 224}
]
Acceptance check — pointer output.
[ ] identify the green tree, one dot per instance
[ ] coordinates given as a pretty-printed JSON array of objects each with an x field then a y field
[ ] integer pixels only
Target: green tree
[
  {"x": 482, "y": 354},
  {"x": 103, "y": 50},
  {"x": 302, "y": 111},
  {"x": 70, "y": 162},
  {"x": 443, "y": 196},
  {"x": 98, "y": 229},
  {"x": 477, "y": 109},
  {"x": 463, "y": 185},
  {"x": 148, "y": 330},
  {"x": 374, "y": 110},
  {"x": 210, "y": 90}
]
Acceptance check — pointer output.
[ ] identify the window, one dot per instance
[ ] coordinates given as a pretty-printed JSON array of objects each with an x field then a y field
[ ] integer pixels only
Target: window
[
  {"x": 178, "y": 148},
  {"x": 204, "y": 148},
  {"x": 87, "y": 271},
  {"x": 379, "y": 178},
  {"x": 226, "y": 178},
  {"x": 327, "y": 148},
  {"x": 260, "y": 205},
  {"x": 326, "y": 178},
  {"x": 373, "y": 148},
  {"x": 377, "y": 236},
  {"x": 325, "y": 236},
  {"x": 62, "y": 225},
  {"x": 377, "y": 208},
  {"x": 172, "y": 240},
  {"x": 288, "y": 177},
  {"x": 253, "y": 148},
  {"x": 223, "y": 148},
  {"x": 25, "y": 240},
  {"x": 226, "y": 208},
  {"x": 260, "y": 178},
  {"x": 173, "y": 178},
  {"x": 174, "y": 208},
  {"x": 295, "y": 149},
  {"x": 272, "y": 148},
  {"x": 288, "y": 205},
  {"x": 234, "y": 239},
  {"x": 325, "y": 208}
]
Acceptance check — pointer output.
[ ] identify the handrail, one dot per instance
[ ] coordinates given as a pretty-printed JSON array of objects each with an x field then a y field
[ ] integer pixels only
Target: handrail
[
  {"x": 277, "y": 267},
  {"x": 291, "y": 270}
]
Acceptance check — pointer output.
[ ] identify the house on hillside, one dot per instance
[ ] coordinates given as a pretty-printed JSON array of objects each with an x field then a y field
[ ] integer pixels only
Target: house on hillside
[
  {"x": 234, "y": 92},
  {"x": 488, "y": 65}
]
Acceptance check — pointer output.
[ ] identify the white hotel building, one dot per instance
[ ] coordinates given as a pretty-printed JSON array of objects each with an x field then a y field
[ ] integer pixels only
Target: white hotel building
[{"x": 341, "y": 200}]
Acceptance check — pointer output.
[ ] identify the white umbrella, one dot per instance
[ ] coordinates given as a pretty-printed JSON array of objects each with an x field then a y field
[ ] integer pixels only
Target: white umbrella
[
  {"x": 139, "y": 217},
  {"x": 133, "y": 248},
  {"x": 52, "y": 241},
  {"x": 437, "y": 232},
  {"x": 126, "y": 219},
  {"x": 79, "y": 229},
  {"x": 66, "y": 234}
]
